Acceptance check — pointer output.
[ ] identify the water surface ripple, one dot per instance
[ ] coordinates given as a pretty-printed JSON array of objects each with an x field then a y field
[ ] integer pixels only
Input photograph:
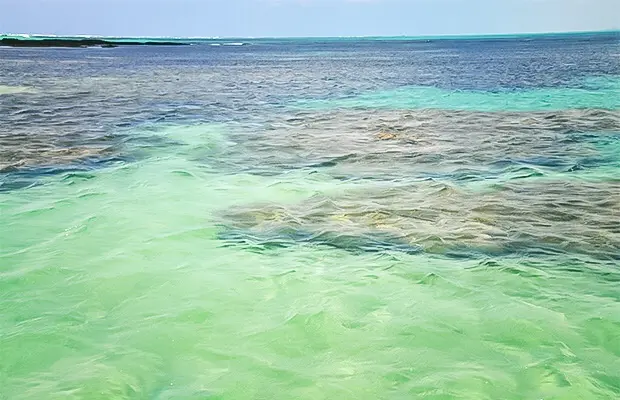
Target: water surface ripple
[{"x": 305, "y": 218}]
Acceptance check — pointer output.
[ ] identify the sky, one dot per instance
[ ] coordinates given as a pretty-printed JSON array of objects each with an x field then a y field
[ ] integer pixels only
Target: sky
[{"x": 286, "y": 18}]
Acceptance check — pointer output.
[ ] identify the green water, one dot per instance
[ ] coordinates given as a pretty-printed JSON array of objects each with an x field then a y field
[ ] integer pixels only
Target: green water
[
  {"x": 115, "y": 286},
  {"x": 368, "y": 219}
]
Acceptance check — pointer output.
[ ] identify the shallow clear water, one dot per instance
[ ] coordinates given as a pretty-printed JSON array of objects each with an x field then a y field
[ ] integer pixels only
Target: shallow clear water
[{"x": 312, "y": 219}]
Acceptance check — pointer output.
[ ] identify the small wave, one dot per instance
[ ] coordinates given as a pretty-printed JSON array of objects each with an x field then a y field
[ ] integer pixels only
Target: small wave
[
  {"x": 229, "y": 44},
  {"x": 15, "y": 35}
]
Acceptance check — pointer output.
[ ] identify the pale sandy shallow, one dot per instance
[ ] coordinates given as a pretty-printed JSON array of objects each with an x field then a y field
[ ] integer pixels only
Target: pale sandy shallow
[{"x": 4, "y": 89}]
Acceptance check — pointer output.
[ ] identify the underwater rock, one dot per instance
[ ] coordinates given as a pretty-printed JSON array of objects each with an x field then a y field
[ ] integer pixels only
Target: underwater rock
[
  {"x": 16, "y": 160},
  {"x": 352, "y": 142},
  {"x": 434, "y": 218},
  {"x": 386, "y": 136}
]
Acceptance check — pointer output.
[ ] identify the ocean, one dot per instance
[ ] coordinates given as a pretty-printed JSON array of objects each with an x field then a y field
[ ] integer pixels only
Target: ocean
[{"x": 338, "y": 218}]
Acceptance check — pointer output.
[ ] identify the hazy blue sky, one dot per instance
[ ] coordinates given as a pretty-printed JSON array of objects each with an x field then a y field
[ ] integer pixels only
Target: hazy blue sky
[{"x": 304, "y": 17}]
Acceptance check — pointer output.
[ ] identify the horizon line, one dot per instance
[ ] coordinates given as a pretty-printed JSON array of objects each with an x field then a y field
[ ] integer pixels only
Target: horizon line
[{"x": 423, "y": 36}]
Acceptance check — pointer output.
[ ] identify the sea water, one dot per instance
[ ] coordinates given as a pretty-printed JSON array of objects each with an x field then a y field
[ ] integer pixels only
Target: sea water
[{"x": 312, "y": 219}]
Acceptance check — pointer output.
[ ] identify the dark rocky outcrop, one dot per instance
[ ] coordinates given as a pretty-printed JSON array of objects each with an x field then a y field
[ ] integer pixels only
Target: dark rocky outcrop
[{"x": 12, "y": 42}]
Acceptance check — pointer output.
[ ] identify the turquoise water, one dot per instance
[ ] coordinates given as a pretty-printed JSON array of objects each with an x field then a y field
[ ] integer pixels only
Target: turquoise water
[
  {"x": 599, "y": 93},
  {"x": 283, "y": 222}
]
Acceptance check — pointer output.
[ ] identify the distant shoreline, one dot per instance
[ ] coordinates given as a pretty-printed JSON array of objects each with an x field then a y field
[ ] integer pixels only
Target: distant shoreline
[
  {"x": 167, "y": 40},
  {"x": 80, "y": 43},
  {"x": 84, "y": 41}
]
